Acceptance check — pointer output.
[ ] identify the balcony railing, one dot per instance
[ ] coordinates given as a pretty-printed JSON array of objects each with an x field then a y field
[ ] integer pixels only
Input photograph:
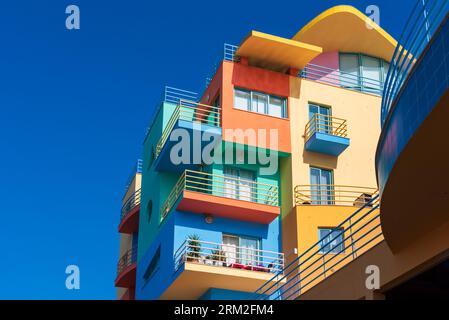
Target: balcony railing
[
  {"x": 189, "y": 111},
  {"x": 126, "y": 260},
  {"x": 341, "y": 79},
  {"x": 228, "y": 54},
  {"x": 132, "y": 202},
  {"x": 422, "y": 24},
  {"x": 228, "y": 256},
  {"x": 137, "y": 168},
  {"x": 171, "y": 95},
  {"x": 352, "y": 238},
  {"x": 333, "y": 195},
  {"x": 221, "y": 186},
  {"x": 326, "y": 124}
]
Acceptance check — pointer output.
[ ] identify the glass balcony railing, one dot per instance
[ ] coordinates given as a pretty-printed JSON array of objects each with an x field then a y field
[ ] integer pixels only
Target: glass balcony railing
[
  {"x": 228, "y": 256},
  {"x": 132, "y": 202},
  {"x": 189, "y": 111},
  {"x": 221, "y": 186},
  {"x": 129, "y": 258},
  {"x": 333, "y": 195},
  {"x": 326, "y": 124}
]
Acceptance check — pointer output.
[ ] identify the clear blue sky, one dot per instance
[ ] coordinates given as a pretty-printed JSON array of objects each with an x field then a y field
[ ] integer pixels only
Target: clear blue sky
[{"x": 74, "y": 106}]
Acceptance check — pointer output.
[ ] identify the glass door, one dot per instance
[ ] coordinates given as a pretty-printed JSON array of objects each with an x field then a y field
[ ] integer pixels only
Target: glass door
[
  {"x": 322, "y": 190},
  {"x": 323, "y": 122},
  {"x": 230, "y": 183},
  {"x": 230, "y": 247},
  {"x": 249, "y": 254}
]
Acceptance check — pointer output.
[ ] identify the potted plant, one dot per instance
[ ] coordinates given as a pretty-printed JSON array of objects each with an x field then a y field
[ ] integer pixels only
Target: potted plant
[
  {"x": 218, "y": 256},
  {"x": 193, "y": 248}
]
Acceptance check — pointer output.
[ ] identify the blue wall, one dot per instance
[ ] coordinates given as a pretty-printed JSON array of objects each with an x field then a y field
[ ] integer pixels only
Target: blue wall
[{"x": 175, "y": 230}]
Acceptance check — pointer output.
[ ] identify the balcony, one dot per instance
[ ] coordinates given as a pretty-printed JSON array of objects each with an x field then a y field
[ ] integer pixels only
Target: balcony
[
  {"x": 333, "y": 195},
  {"x": 195, "y": 119},
  {"x": 223, "y": 196},
  {"x": 335, "y": 77},
  {"x": 326, "y": 134},
  {"x": 129, "y": 217},
  {"x": 202, "y": 265},
  {"x": 126, "y": 269}
]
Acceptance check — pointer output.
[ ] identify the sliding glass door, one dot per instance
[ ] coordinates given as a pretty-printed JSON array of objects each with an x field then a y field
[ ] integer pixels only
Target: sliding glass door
[{"x": 322, "y": 189}]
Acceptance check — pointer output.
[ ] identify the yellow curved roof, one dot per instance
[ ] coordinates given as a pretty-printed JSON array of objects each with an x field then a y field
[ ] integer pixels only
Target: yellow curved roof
[{"x": 346, "y": 29}]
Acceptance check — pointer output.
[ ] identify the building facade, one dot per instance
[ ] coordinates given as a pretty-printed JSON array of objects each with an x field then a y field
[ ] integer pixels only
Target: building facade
[{"x": 238, "y": 182}]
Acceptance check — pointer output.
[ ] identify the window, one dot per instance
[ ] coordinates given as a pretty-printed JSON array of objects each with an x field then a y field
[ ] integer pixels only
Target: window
[
  {"x": 260, "y": 103},
  {"x": 331, "y": 240},
  {"x": 241, "y": 249},
  {"x": 321, "y": 189},
  {"x": 242, "y": 99},
  {"x": 362, "y": 72},
  {"x": 153, "y": 266},
  {"x": 322, "y": 124},
  {"x": 239, "y": 184}
]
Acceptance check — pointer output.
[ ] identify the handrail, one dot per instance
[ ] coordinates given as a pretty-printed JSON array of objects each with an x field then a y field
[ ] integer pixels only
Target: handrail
[
  {"x": 128, "y": 258},
  {"x": 230, "y": 256},
  {"x": 136, "y": 169},
  {"x": 189, "y": 111},
  {"x": 335, "y": 195},
  {"x": 342, "y": 79},
  {"x": 326, "y": 124},
  {"x": 132, "y": 202},
  {"x": 422, "y": 24},
  {"x": 350, "y": 239},
  {"x": 170, "y": 95},
  {"x": 222, "y": 186},
  {"x": 228, "y": 54}
]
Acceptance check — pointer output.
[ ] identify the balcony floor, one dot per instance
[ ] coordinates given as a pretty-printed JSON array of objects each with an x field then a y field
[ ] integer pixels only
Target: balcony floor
[
  {"x": 201, "y": 203},
  {"x": 195, "y": 131},
  {"x": 328, "y": 144},
  {"x": 195, "y": 279},
  {"x": 127, "y": 278},
  {"x": 130, "y": 222}
]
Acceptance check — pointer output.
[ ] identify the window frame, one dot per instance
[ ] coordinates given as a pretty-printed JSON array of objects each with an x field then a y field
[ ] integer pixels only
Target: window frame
[
  {"x": 284, "y": 105},
  {"x": 340, "y": 249}
]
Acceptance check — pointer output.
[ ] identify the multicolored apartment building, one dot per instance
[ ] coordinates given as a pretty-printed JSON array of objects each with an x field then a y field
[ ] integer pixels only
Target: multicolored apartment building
[{"x": 236, "y": 183}]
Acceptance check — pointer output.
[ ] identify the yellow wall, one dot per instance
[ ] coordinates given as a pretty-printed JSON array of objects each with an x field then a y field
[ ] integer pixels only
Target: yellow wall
[{"x": 355, "y": 166}]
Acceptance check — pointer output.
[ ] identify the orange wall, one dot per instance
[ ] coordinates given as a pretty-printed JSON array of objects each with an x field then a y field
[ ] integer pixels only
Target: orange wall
[{"x": 231, "y": 75}]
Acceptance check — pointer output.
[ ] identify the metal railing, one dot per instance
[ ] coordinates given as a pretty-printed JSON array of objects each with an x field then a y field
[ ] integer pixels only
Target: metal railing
[
  {"x": 127, "y": 260},
  {"x": 228, "y": 256},
  {"x": 341, "y": 79},
  {"x": 333, "y": 195},
  {"x": 132, "y": 202},
  {"x": 189, "y": 111},
  {"x": 228, "y": 54},
  {"x": 137, "y": 168},
  {"x": 221, "y": 186},
  {"x": 421, "y": 26},
  {"x": 352, "y": 238},
  {"x": 171, "y": 95},
  {"x": 326, "y": 124}
]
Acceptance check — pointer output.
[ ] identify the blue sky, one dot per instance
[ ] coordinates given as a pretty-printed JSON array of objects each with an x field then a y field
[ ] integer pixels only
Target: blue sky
[{"x": 74, "y": 106}]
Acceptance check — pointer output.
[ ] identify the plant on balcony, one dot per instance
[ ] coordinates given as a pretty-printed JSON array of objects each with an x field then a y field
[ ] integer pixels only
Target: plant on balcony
[
  {"x": 193, "y": 248},
  {"x": 218, "y": 256}
]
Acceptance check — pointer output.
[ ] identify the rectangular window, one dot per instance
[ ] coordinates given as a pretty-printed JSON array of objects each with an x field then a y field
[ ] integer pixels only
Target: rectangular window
[
  {"x": 153, "y": 266},
  {"x": 242, "y": 99},
  {"x": 371, "y": 73},
  {"x": 260, "y": 103},
  {"x": 331, "y": 240},
  {"x": 276, "y": 107},
  {"x": 241, "y": 249},
  {"x": 349, "y": 66},
  {"x": 322, "y": 189}
]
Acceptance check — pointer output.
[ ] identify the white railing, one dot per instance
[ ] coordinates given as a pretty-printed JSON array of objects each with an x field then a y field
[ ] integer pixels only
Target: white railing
[{"x": 228, "y": 256}]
